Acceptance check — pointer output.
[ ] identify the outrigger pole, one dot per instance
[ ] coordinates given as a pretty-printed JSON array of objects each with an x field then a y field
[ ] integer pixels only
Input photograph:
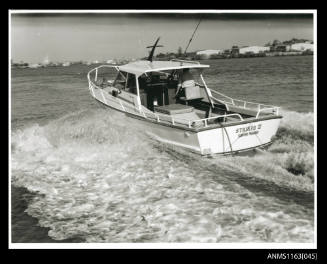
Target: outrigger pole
[
  {"x": 153, "y": 48},
  {"x": 192, "y": 36}
]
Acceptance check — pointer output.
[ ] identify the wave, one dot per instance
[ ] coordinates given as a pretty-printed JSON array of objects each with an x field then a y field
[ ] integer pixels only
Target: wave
[
  {"x": 288, "y": 163},
  {"x": 297, "y": 125},
  {"x": 75, "y": 142},
  {"x": 97, "y": 175},
  {"x": 84, "y": 127},
  {"x": 294, "y": 144}
]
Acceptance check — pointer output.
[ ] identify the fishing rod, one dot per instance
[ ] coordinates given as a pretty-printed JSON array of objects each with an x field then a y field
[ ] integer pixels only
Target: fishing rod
[{"x": 192, "y": 36}]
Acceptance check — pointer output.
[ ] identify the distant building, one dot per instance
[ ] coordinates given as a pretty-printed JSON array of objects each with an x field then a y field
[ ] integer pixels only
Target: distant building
[
  {"x": 66, "y": 64},
  {"x": 172, "y": 56},
  {"x": 206, "y": 54},
  {"x": 227, "y": 51},
  {"x": 235, "y": 51},
  {"x": 302, "y": 46},
  {"x": 282, "y": 47},
  {"x": 34, "y": 66},
  {"x": 253, "y": 49},
  {"x": 46, "y": 61}
]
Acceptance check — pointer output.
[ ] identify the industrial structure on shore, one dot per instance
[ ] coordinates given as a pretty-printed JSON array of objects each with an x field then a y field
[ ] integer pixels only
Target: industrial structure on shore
[{"x": 277, "y": 49}]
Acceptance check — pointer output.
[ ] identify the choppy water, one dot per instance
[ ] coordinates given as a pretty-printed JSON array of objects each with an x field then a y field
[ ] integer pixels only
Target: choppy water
[{"x": 92, "y": 175}]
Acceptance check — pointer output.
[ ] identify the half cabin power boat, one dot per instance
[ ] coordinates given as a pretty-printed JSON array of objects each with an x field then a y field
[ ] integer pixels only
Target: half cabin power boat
[{"x": 192, "y": 116}]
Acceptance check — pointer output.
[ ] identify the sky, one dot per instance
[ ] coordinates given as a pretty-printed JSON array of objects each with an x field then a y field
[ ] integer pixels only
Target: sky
[{"x": 89, "y": 36}]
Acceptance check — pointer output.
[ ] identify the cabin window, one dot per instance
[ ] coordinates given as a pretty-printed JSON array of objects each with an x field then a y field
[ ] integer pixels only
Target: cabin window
[
  {"x": 143, "y": 89},
  {"x": 120, "y": 81},
  {"x": 131, "y": 83},
  {"x": 142, "y": 83}
]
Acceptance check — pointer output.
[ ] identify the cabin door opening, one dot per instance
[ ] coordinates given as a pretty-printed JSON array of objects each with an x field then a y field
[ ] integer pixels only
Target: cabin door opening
[
  {"x": 153, "y": 91},
  {"x": 157, "y": 96}
]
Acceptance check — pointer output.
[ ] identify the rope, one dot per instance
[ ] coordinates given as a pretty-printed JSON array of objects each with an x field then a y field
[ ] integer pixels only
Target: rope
[{"x": 230, "y": 144}]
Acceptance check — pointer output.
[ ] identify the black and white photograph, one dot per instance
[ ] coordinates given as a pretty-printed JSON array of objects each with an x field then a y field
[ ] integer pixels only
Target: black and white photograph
[{"x": 162, "y": 129}]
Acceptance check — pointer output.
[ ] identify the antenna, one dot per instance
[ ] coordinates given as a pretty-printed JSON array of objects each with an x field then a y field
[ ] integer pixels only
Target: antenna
[
  {"x": 153, "y": 48},
  {"x": 192, "y": 36}
]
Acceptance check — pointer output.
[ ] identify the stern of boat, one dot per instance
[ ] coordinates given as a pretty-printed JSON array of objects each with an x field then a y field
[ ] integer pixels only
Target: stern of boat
[{"x": 229, "y": 139}]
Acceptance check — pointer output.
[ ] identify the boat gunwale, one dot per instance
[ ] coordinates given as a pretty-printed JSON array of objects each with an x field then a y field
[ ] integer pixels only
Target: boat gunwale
[
  {"x": 260, "y": 107},
  {"x": 194, "y": 129},
  {"x": 174, "y": 123}
]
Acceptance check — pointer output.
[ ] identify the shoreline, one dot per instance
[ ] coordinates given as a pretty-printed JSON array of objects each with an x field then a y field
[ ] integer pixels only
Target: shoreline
[{"x": 279, "y": 54}]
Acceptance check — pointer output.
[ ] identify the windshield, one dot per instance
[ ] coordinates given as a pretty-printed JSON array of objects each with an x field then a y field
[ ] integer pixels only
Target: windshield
[{"x": 120, "y": 81}]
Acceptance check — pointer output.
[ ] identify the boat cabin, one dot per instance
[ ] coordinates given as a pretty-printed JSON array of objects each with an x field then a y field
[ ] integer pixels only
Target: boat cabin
[
  {"x": 167, "y": 87},
  {"x": 172, "y": 91}
]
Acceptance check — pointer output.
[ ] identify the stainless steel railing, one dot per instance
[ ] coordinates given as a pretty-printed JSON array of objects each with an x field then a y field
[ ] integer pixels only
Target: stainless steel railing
[
  {"x": 257, "y": 107},
  {"x": 141, "y": 111},
  {"x": 96, "y": 71},
  {"x": 158, "y": 117}
]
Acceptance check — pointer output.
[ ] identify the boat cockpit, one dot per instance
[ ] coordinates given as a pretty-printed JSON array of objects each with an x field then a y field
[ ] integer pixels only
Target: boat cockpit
[
  {"x": 172, "y": 91},
  {"x": 169, "y": 92}
]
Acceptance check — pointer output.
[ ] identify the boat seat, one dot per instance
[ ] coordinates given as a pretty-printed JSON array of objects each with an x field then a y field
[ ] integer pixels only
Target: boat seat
[
  {"x": 193, "y": 92},
  {"x": 174, "y": 109},
  {"x": 186, "y": 117}
]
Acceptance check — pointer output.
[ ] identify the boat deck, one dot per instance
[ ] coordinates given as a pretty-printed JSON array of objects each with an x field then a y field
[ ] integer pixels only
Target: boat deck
[{"x": 194, "y": 115}]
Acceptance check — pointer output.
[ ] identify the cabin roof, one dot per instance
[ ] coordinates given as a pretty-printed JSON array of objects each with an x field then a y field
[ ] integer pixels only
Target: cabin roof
[{"x": 144, "y": 66}]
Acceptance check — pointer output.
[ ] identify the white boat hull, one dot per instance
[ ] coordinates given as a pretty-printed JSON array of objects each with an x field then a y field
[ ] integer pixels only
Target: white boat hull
[
  {"x": 237, "y": 137},
  {"x": 226, "y": 140}
]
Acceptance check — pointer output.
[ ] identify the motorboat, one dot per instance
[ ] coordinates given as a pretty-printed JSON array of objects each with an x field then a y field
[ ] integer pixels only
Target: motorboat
[{"x": 183, "y": 112}]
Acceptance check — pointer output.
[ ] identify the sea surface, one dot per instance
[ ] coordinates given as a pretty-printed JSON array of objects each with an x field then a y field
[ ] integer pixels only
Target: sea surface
[{"x": 81, "y": 173}]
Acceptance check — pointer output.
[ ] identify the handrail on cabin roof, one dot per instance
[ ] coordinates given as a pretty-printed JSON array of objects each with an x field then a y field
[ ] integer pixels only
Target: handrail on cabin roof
[{"x": 186, "y": 61}]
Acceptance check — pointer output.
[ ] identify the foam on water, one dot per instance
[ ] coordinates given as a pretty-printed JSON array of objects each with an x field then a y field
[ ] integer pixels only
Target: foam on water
[
  {"x": 97, "y": 176},
  {"x": 288, "y": 162}
]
